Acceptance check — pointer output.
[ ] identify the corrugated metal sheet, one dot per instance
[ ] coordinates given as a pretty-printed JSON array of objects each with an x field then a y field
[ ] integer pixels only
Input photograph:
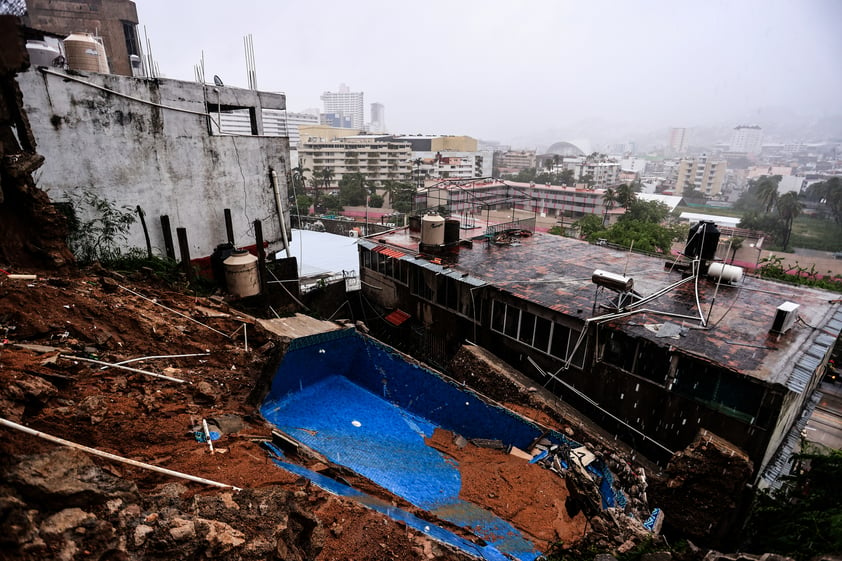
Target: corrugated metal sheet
[
  {"x": 814, "y": 355},
  {"x": 780, "y": 463}
]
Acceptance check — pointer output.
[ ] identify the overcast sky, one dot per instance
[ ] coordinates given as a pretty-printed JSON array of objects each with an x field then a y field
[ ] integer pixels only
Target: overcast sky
[{"x": 508, "y": 70}]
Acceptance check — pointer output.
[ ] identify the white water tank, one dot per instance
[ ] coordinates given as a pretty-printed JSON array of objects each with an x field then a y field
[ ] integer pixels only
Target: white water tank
[
  {"x": 241, "y": 275},
  {"x": 432, "y": 230},
  {"x": 41, "y": 54},
  {"x": 725, "y": 273},
  {"x": 85, "y": 53}
]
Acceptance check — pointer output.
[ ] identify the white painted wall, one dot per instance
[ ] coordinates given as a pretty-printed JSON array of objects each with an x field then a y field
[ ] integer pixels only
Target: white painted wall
[{"x": 154, "y": 149}]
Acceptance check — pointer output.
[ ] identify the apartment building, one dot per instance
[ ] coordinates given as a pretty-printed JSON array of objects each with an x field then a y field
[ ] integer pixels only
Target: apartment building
[
  {"x": 703, "y": 174},
  {"x": 378, "y": 160}
]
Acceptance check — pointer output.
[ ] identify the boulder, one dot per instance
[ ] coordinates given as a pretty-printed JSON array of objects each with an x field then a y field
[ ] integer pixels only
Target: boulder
[{"x": 65, "y": 478}]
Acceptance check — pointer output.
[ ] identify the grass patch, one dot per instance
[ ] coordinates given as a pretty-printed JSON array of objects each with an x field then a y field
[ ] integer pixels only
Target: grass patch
[{"x": 814, "y": 233}]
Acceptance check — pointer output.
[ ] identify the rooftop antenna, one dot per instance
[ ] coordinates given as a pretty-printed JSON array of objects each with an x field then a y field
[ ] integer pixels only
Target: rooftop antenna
[
  {"x": 251, "y": 68},
  {"x": 151, "y": 67}
]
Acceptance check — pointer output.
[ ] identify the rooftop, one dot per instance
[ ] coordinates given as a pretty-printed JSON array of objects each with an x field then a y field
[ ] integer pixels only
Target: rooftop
[{"x": 556, "y": 272}]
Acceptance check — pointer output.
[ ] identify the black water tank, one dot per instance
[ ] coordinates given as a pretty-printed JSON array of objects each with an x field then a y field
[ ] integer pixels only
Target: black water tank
[
  {"x": 219, "y": 255},
  {"x": 451, "y": 231},
  {"x": 415, "y": 224},
  {"x": 702, "y": 240}
]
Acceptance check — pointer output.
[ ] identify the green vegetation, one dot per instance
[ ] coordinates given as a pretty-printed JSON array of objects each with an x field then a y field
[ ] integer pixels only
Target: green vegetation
[
  {"x": 803, "y": 519},
  {"x": 642, "y": 227},
  {"x": 772, "y": 268},
  {"x": 97, "y": 227}
]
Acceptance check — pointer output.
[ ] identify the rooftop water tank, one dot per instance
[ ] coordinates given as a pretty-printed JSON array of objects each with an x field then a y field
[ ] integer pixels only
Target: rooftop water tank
[
  {"x": 432, "y": 230},
  {"x": 41, "y": 54},
  {"x": 241, "y": 274},
  {"x": 85, "y": 53},
  {"x": 451, "y": 231},
  {"x": 702, "y": 240}
]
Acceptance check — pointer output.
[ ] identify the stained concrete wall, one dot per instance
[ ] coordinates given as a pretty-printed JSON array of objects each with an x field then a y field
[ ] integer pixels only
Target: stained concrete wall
[{"x": 147, "y": 143}]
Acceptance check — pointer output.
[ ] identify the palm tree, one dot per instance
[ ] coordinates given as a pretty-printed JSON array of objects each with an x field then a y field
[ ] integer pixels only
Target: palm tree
[
  {"x": 626, "y": 195},
  {"x": 789, "y": 208},
  {"x": 298, "y": 174},
  {"x": 736, "y": 244},
  {"x": 609, "y": 198},
  {"x": 327, "y": 176},
  {"x": 767, "y": 191}
]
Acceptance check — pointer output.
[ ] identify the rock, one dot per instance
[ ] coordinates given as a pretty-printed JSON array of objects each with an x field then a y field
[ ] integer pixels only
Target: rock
[
  {"x": 182, "y": 529},
  {"x": 627, "y": 546},
  {"x": 108, "y": 284},
  {"x": 228, "y": 424},
  {"x": 94, "y": 406},
  {"x": 657, "y": 556},
  {"x": 17, "y": 522},
  {"x": 140, "y": 533},
  {"x": 221, "y": 537},
  {"x": 64, "y": 520},
  {"x": 204, "y": 393},
  {"x": 604, "y": 557},
  {"x": 64, "y": 478}
]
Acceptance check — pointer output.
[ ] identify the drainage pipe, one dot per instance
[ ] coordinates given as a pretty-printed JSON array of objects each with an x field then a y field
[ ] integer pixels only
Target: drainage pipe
[
  {"x": 114, "y": 457},
  {"x": 274, "y": 181}
]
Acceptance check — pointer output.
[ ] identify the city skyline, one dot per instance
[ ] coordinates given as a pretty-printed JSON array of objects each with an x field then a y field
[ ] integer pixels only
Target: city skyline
[{"x": 502, "y": 72}]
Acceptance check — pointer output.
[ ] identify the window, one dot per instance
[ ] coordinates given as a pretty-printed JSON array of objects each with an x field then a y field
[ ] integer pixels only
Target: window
[
  {"x": 619, "y": 350},
  {"x": 527, "y": 328}
]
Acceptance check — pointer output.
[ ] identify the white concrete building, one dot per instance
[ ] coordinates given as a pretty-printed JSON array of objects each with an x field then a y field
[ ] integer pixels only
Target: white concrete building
[
  {"x": 153, "y": 144},
  {"x": 746, "y": 139},
  {"x": 346, "y": 104},
  {"x": 376, "y": 160}
]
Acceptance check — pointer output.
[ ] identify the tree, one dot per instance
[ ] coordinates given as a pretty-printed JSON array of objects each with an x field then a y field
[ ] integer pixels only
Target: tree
[
  {"x": 788, "y": 209},
  {"x": 303, "y": 203},
  {"x": 736, "y": 244},
  {"x": 327, "y": 177},
  {"x": 646, "y": 211},
  {"x": 626, "y": 195},
  {"x": 590, "y": 226},
  {"x": 609, "y": 198},
  {"x": 803, "y": 519},
  {"x": 400, "y": 195},
  {"x": 766, "y": 191},
  {"x": 298, "y": 174},
  {"x": 828, "y": 194},
  {"x": 353, "y": 190},
  {"x": 375, "y": 201},
  {"x": 567, "y": 177}
]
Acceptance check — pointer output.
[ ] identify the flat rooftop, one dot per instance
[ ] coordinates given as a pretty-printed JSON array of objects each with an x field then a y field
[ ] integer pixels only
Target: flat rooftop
[{"x": 556, "y": 273}]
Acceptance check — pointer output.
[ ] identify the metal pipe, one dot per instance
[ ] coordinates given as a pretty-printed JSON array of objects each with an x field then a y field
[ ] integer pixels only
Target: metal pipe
[
  {"x": 114, "y": 457},
  {"x": 121, "y": 367},
  {"x": 185, "y": 316},
  {"x": 139, "y": 359},
  {"x": 274, "y": 181}
]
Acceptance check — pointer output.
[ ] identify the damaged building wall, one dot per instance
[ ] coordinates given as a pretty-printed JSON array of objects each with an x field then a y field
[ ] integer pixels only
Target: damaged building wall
[{"x": 148, "y": 143}]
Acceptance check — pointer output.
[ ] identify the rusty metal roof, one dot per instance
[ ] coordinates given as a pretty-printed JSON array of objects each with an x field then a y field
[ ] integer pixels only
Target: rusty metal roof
[{"x": 556, "y": 272}]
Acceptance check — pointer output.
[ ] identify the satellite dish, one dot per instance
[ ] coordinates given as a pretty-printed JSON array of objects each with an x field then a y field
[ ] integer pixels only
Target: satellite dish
[{"x": 217, "y": 80}]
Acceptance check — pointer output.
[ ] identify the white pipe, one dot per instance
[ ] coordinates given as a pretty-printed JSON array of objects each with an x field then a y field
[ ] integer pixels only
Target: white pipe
[
  {"x": 274, "y": 182},
  {"x": 139, "y": 359},
  {"x": 185, "y": 316},
  {"x": 153, "y": 374},
  {"x": 207, "y": 434},
  {"x": 114, "y": 457}
]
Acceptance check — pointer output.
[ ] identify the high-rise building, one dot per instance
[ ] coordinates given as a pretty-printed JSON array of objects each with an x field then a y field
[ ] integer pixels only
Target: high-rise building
[
  {"x": 346, "y": 104},
  {"x": 677, "y": 140},
  {"x": 701, "y": 174},
  {"x": 378, "y": 118},
  {"x": 115, "y": 21},
  {"x": 747, "y": 139}
]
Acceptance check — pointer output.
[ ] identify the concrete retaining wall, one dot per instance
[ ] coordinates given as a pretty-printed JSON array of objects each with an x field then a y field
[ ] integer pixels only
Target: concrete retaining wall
[{"x": 148, "y": 143}]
